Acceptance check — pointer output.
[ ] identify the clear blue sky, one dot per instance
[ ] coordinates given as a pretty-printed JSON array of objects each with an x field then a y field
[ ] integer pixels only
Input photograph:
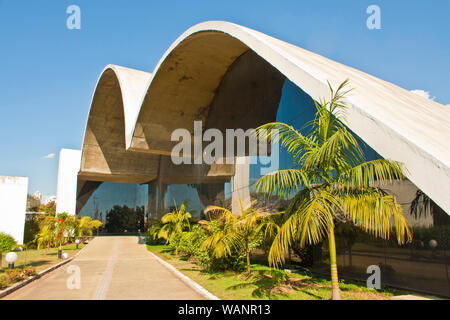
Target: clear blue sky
[{"x": 48, "y": 73}]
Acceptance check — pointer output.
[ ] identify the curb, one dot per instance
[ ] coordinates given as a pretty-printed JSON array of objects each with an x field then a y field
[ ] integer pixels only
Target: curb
[
  {"x": 23, "y": 283},
  {"x": 191, "y": 283}
]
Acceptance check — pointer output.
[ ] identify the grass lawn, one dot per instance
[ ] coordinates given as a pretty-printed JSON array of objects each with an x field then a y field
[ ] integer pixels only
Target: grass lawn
[
  {"x": 261, "y": 284},
  {"x": 39, "y": 259}
]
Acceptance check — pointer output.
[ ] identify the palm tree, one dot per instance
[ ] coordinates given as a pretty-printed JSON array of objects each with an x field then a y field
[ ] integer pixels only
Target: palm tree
[
  {"x": 331, "y": 180},
  {"x": 236, "y": 232},
  {"x": 175, "y": 222},
  {"x": 85, "y": 226},
  {"x": 47, "y": 235}
]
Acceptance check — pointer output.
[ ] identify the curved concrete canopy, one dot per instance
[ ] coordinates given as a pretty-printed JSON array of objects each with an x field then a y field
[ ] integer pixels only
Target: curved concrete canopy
[
  {"x": 115, "y": 106},
  {"x": 393, "y": 121}
]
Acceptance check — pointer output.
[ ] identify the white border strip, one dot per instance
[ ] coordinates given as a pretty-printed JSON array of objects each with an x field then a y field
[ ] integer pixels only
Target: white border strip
[{"x": 191, "y": 283}]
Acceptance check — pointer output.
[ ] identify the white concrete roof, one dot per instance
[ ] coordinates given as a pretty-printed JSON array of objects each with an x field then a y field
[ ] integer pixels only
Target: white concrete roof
[
  {"x": 398, "y": 124},
  {"x": 133, "y": 84}
]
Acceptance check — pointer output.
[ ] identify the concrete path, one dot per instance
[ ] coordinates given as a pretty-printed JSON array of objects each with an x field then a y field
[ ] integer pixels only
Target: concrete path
[{"x": 111, "y": 268}]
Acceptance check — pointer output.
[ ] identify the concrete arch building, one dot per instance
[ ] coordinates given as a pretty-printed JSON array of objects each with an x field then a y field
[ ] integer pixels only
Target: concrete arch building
[{"x": 230, "y": 76}]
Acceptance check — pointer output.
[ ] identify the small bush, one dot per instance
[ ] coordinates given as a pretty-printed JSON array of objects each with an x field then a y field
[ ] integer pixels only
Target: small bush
[
  {"x": 3, "y": 281},
  {"x": 279, "y": 277},
  {"x": 14, "y": 275},
  {"x": 189, "y": 244},
  {"x": 7, "y": 242},
  {"x": 151, "y": 236},
  {"x": 28, "y": 272}
]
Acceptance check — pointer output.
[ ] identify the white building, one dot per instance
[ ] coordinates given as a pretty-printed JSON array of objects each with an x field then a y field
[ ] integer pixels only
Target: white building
[
  {"x": 13, "y": 203},
  {"x": 66, "y": 192}
]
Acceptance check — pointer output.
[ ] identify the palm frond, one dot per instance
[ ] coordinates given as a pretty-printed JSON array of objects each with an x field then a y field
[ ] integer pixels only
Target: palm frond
[
  {"x": 373, "y": 211},
  {"x": 291, "y": 139},
  {"x": 282, "y": 182},
  {"x": 373, "y": 172}
]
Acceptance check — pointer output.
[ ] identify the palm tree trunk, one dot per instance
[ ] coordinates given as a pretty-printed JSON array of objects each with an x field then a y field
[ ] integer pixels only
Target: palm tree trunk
[
  {"x": 335, "y": 294},
  {"x": 247, "y": 254}
]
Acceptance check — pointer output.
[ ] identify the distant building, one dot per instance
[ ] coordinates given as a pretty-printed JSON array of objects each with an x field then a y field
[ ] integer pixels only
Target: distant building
[
  {"x": 38, "y": 195},
  {"x": 47, "y": 199},
  {"x": 33, "y": 203}
]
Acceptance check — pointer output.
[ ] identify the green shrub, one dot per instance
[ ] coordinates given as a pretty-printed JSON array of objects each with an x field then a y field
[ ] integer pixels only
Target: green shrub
[
  {"x": 7, "y": 242},
  {"x": 188, "y": 243},
  {"x": 151, "y": 236},
  {"x": 278, "y": 277},
  {"x": 3, "y": 281}
]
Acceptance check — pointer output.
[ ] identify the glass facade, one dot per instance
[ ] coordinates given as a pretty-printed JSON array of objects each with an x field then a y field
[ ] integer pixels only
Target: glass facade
[{"x": 122, "y": 207}]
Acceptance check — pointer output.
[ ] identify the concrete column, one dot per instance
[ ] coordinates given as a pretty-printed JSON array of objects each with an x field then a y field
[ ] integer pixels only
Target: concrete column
[
  {"x": 152, "y": 200},
  {"x": 66, "y": 192},
  {"x": 161, "y": 192},
  {"x": 240, "y": 185}
]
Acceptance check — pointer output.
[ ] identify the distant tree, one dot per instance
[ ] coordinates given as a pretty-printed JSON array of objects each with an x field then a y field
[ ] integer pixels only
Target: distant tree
[
  {"x": 84, "y": 227},
  {"x": 96, "y": 224},
  {"x": 121, "y": 218},
  {"x": 47, "y": 236},
  {"x": 32, "y": 226},
  {"x": 422, "y": 205},
  {"x": 49, "y": 208}
]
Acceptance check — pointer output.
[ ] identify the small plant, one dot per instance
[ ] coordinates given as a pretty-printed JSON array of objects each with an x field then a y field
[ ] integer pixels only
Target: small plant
[
  {"x": 3, "y": 281},
  {"x": 230, "y": 234},
  {"x": 175, "y": 222},
  {"x": 278, "y": 277},
  {"x": 151, "y": 236},
  {"x": 7, "y": 242},
  {"x": 28, "y": 272},
  {"x": 14, "y": 275}
]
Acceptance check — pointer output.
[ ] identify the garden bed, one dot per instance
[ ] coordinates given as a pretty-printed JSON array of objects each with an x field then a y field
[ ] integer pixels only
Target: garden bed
[
  {"x": 33, "y": 261},
  {"x": 264, "y": 283}
]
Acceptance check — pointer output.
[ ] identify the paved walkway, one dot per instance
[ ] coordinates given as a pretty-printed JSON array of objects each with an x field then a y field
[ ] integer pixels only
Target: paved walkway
[{"x": 111, "y": 268}]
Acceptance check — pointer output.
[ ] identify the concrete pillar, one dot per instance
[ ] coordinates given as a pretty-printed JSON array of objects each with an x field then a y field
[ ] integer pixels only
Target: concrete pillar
[
  {"x": 240, "y": 185},
  {"x": 152, "y": 200},
  {"x": 161, "y": 192},
  {"x": 66, "y": 192}
]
